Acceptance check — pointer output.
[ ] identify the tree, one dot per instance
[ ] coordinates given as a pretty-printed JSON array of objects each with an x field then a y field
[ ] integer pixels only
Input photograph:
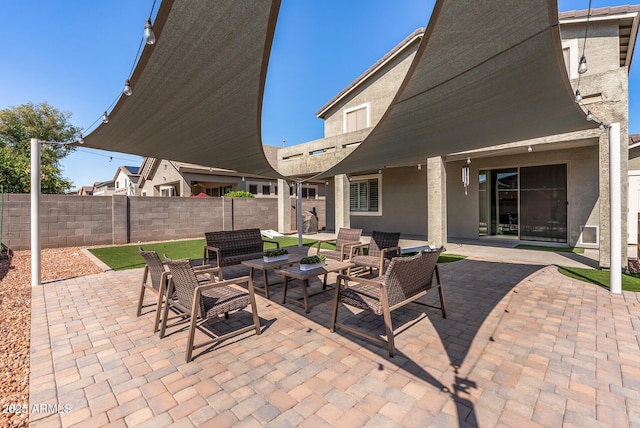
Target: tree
[{"x": 46, "y": 123}]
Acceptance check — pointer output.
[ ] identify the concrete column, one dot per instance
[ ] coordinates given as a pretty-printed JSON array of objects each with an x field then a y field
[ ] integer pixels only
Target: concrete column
[
  {"x": 436, "y": 201},
  {"x": 120, "y": 219},
  {"x": 342, "y": 207},
  {"x": 284, "y": 207},
  {"x": 35, "y": 213},
  {"x": 615, "y": 206}
]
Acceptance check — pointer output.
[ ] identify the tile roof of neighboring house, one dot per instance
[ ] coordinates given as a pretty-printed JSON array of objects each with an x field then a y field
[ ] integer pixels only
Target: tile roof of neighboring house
[
  {"x": 628, "y": 26},
  {"x": 634, "y": 139},
  {"x": 601, "y": 11},
  {"x": 417, "y": 34}
]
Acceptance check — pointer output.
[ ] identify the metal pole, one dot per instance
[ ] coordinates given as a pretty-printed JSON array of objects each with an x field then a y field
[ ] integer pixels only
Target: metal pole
[
  {"x": 299, "y": 211},
  {"x": 615, "y": 217},
  {"x": 35, "y": 213}
]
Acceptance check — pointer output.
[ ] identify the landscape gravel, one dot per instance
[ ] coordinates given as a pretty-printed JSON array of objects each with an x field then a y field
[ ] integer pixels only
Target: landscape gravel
[{"x": 15, "y": 320}]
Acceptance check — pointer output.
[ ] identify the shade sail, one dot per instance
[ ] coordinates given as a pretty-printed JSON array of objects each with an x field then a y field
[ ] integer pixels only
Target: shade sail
[
  {"x": 197, "y": 93},
  {"x": 486, "y": 73}
]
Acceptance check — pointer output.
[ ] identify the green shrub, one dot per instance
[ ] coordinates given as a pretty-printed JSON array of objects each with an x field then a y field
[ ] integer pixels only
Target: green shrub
[
  {"x": 275, "y": 252},
  {"x": 311, "y": 260},
  {"x": 238, "y": 194}
]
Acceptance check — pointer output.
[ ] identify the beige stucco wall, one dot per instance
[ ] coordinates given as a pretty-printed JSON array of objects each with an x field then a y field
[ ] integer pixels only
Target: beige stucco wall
[
  {"x": 582, "y": 188},
  {"x": 404, "y": 204},
  {"x": 378, "y": 92}
]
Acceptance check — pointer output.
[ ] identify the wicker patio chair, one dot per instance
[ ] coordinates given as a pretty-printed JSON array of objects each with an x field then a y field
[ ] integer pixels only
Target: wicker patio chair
[
  {"x": 382, "y": 247},
  {"x": 198, "y": 303},
  {"x": 345, "y": 240},
  {"x": 154, "y": 279},
  {"x": 406, "y": 279}
]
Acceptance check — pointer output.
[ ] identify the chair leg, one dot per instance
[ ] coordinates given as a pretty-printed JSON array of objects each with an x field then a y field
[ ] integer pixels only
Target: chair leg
[
  {"x": 389, "y": 329},
  {"x": 161, "y": 293},
  {"x": 192, "y": 326},
  {"x": 254, "y": 307},
  {"x": 142, "y": 287},
  {"x": 336, "y": 303},
  {"x": 441, "y": 292},
  {"x": 165, "y": 311}
]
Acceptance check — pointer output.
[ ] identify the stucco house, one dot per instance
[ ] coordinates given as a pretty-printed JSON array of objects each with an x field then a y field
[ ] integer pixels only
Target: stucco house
[
  {"x": 104, "y": 188},
  {"x": 126, "y": 180},
  {"x": 552, "y": 189},
  {"x": 160, "y": 177}
]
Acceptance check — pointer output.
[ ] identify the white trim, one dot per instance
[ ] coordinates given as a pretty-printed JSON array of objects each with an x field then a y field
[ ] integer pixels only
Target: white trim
[
  {"x": 366, "y": 106},
  {"x": 367, "y": 213},
  {"x": 591, "y": 244},
  {"x": 598, "y": 18},
  {"x": 572, "y": 45}
]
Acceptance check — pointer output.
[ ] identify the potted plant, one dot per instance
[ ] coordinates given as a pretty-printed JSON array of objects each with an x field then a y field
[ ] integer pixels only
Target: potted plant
[
  {"x": 312, "y": 262},
  {"x": 275, "y": 255}
]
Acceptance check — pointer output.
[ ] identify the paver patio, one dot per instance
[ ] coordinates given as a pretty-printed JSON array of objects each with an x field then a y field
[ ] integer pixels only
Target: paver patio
[{"x": 522, "y": 346}]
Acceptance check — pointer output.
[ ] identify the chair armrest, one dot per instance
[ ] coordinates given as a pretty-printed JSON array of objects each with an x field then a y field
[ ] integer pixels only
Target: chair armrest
[
  {"x": 384, "y": 252},
  {"x": 322, "y": 241},
  {"x": 271, "y": 242},
  {"x": 209, "y": 285},
  {"x": 206, "y": 270},
  {"x": 344, "y": 246},
  {"x": 207, "y": 250},
  {"x": 358, "y": 279},
  {"x": 355, "y": 247}
]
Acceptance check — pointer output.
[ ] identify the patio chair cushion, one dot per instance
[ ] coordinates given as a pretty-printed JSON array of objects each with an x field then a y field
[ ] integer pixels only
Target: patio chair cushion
[
  {"x": 218, "y": 301},
  {"x": 363, "y": 296}
]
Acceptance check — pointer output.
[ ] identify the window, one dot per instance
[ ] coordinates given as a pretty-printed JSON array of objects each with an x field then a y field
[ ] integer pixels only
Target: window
[
  {"x": 364, "y": 195},
  {"x": 309, "y": 192},
  {"x": 143, "y": 193},
  {"x": 253, "y": 189},
  {"x": 570, "y": 54},
  {"x": 356, "y": 118},
  {"x": 168, "y": 191},
  {"x": 266, "y": 189}
]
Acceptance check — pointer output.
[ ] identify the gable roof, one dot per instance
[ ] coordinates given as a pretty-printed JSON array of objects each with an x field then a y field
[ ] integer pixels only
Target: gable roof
[
  {"x": 485, "y": 73},
  {"x": 408, "y": 41}
]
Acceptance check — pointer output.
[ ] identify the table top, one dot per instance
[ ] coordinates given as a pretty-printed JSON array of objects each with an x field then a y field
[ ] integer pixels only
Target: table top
[
  {"x": 329, "y": 266},
  {"x": 261, "y": 264}
]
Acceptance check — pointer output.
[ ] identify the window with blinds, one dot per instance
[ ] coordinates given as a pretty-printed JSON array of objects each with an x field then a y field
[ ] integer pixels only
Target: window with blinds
[
  {"x": 355, "y": 119},
  {"x": 364, "y": 196}
]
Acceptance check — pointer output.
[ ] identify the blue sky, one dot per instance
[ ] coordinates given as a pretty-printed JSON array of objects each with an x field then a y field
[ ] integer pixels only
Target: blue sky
[{"x": 76, "y": 55}]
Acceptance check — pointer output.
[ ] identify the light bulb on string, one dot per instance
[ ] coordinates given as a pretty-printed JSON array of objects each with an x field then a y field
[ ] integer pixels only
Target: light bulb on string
[
  {"x": 81, "y": 139},
  {"x": 589, "y": 115},
  {"x": 105, "y": 117},
  {"x": 578, "y": 96},
  {"x": 582, "y": 66},
  {"x": 127, "y": 88},
  {"x": 602, "y": 126},
  {"x": 149, "y": 36}
]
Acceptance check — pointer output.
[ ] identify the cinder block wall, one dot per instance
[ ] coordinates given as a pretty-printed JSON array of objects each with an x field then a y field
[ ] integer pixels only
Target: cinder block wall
[{"x": 68, "y": 220}]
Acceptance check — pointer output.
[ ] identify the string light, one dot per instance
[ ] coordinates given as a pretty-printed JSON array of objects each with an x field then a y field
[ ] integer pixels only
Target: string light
[
  {"x": 582, "y": 68},
  {"x": 529, "y": 149},
  {"x": 149, "y": 36},
  {"x": 81, "y": 139}
]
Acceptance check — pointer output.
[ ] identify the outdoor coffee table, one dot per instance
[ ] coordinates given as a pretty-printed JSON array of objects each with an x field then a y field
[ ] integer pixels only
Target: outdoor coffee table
[
  {"x": 265, "y": 267},
  {"x": 294, "y": 272}
]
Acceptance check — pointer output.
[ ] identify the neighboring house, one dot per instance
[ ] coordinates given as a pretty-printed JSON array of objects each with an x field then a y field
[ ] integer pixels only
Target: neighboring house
[
  {"x": 105, "y": 188},
  {"x": 85, "y": 191},
  {"x": 126, "y": 180},
  {"x": 161, "y": 177},
  {"x": 634, "y": 188},
  {"x": 552, "y": 189}
]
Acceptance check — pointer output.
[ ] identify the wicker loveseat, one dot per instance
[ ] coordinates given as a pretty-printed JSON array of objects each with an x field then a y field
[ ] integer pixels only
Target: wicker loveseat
[{"x": 231, "y": 247}]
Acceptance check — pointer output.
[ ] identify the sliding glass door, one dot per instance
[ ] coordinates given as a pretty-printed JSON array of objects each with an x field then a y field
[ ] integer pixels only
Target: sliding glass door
[
  {"x": 543, "y": 203},
  {"x": 529, "y": 203}
]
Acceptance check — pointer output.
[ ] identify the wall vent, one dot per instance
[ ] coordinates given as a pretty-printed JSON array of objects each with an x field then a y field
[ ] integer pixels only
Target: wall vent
[{"x": 589, "y": 235}]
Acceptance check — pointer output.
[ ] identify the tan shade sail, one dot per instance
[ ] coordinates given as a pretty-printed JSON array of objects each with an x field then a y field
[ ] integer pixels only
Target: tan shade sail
[
  {"x": 197, "y": 93},
  {"x": 486, "y": 73}
]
